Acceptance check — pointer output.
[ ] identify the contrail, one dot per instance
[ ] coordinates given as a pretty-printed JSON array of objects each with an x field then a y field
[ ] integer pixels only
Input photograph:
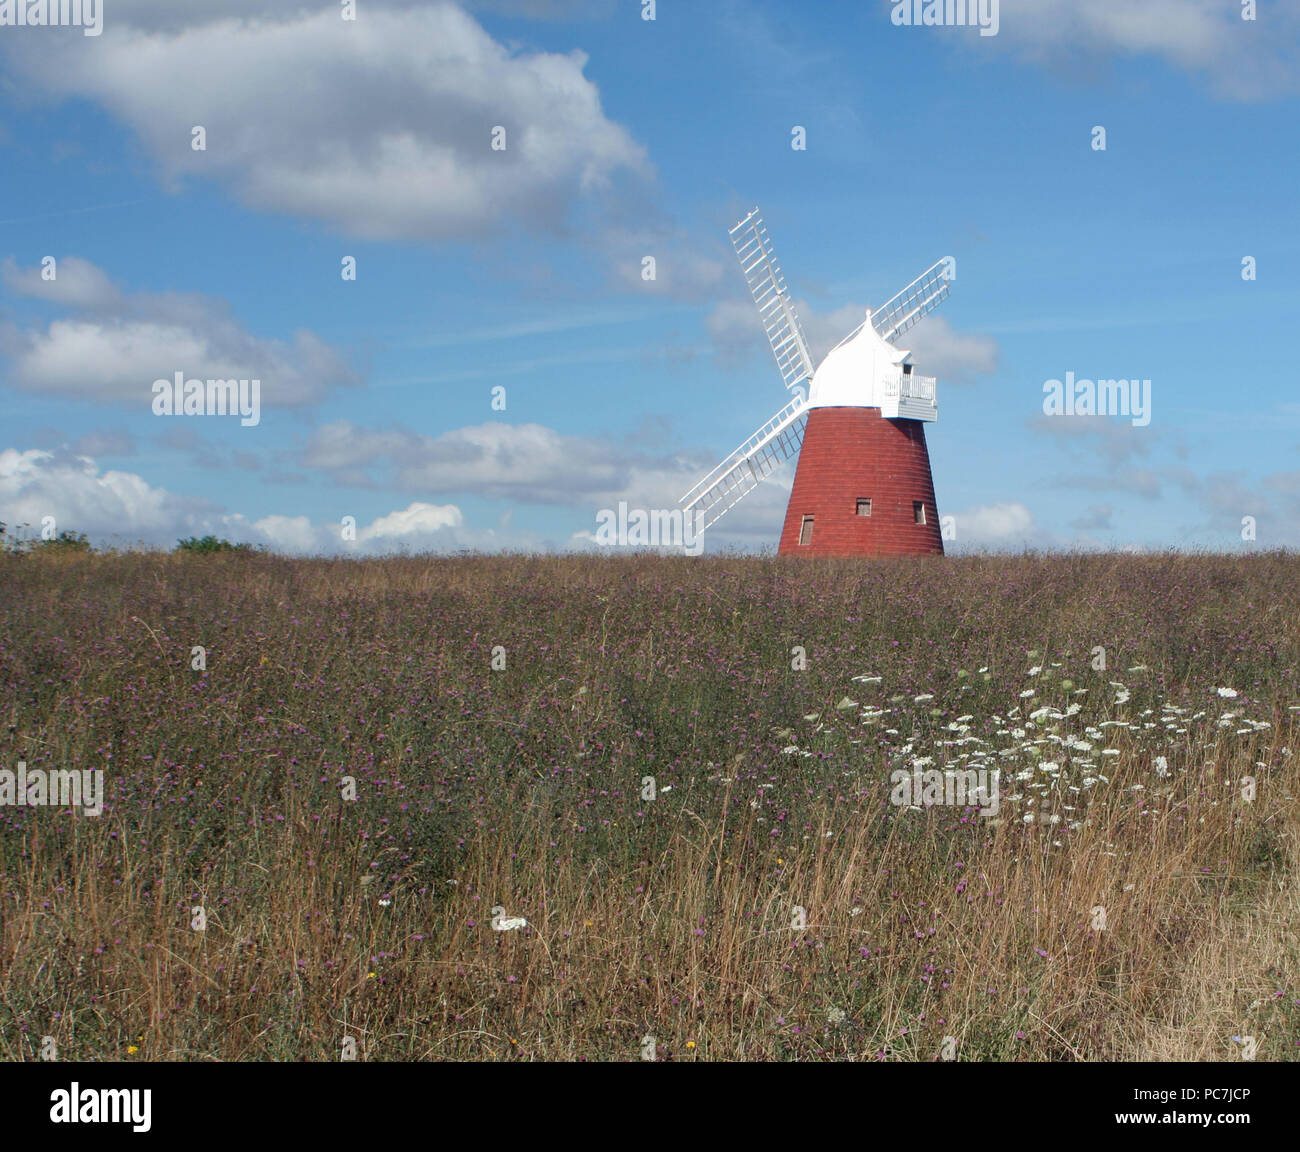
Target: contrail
[{"x": 72, "y": 211}]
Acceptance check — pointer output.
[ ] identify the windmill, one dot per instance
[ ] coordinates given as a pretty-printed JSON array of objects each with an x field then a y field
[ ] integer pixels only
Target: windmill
[{"x": 863, "y": 483}]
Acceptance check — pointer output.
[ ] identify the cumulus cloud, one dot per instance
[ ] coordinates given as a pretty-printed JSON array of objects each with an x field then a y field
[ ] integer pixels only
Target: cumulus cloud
[
  {"x": 177, "y": 14},
  {"x": 953, "y": 357},
  {"x": 413, "y": 521},
  {"x": 381, "y": 127},
  {"x": 684, "y": 267},
  {"x": 1240, "y": 59},
  {"x": 121, "y": 508},
  {"x": 527, "y": 462},
  {"x": 71, "y": 282},
  {"x": 737, "y": 338},
  {"x": 71, "y": 488},
  {"x": 1007, "y": 524},
  {"x": 117, "y": 344}
]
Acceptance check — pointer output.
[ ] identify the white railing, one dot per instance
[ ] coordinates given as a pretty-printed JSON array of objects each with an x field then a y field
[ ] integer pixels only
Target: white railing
[{"x": 909, "y": 386}]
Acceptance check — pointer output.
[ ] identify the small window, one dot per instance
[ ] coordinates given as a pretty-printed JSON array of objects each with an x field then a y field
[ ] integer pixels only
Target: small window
[
  {"x": 864, "y": 507},
  {"x": 918, "y": 510},
  {"x": 805, "y": 531}
]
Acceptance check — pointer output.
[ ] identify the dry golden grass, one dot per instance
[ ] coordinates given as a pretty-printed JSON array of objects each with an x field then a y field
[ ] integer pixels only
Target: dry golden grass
[{"x": 766, "y": 904}]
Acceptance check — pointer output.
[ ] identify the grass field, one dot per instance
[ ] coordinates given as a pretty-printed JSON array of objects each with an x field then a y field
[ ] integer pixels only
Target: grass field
[{"x": 698, "y": 830}]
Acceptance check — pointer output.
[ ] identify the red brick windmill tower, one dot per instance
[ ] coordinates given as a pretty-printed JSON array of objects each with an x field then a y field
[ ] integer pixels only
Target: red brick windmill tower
[{"x": 863, "y": 484}]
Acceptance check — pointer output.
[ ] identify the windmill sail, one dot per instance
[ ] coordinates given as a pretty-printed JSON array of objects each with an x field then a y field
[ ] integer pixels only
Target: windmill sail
[
  {"x": 741, "y": 472},
  {"x": 780, "y": 321},
  {"x": 922, "y": 296}
]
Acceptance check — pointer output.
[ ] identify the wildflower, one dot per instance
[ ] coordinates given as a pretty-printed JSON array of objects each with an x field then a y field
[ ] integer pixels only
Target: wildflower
[
  {"x": 1026, "y": 694},
  {"x": 131, "y": 1049},
  {"x": 690, "y": 1043},
  {"x": 1227, "y": 693}
]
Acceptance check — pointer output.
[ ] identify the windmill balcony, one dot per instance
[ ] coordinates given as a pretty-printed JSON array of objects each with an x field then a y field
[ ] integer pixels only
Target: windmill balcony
[
  {"x": 909, "y": 386},
  {"x": 907, "y": 396}
]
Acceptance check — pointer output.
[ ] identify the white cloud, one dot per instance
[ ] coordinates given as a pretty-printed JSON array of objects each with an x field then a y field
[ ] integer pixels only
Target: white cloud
[
  {"x": 121, "y": 508},
  {"x": 1242, "y": 59},
  {"x": 381, "y": 127},
  {"x": 121, "y": 343},
  {"x": 953, "y": 357},
  {"x": 937, "y": 349},
  {"x": 415, "y": 520},
  {"x": 35, "y": 484},
  {"x": 176, "y": 14},
  {"x": 684, "y": 267},
  {"x": 288, "y": 534},
  {"x": 991, "y": 525},
  {"x": 527, "y": 462},
  {"x": 78, "y": 284}
]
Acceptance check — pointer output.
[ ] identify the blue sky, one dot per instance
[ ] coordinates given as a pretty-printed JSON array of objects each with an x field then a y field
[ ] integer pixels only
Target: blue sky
[{"x": 625, "y": 138}]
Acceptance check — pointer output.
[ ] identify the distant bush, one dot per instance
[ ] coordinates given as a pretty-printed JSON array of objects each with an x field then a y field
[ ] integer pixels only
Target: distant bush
[
  {"x": 209, "y": 544},
  {"x": 65, "y": 542}
]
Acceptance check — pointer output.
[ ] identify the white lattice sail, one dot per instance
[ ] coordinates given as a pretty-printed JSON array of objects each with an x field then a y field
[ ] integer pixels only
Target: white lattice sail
[{"x": 767, "y": 284}]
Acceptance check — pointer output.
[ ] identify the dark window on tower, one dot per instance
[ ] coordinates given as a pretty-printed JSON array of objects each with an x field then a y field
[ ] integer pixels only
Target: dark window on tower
[
  {"x": 864, "y": 507},
  {"x": 805, "y": 530},
  {"x": 918, "y": 510}
]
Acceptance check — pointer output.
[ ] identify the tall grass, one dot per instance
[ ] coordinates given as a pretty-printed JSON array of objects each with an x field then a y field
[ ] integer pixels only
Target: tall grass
[{"x": 769, "y": 902}]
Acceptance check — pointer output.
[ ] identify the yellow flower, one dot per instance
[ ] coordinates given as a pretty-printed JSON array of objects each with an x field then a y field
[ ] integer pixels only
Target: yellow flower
[
  {"x": 690, "y": 1043},
  {"x": 779, "y": 860},
  {"x": 370, "y": 976},
  {"x": 131, "y": 1048}
]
